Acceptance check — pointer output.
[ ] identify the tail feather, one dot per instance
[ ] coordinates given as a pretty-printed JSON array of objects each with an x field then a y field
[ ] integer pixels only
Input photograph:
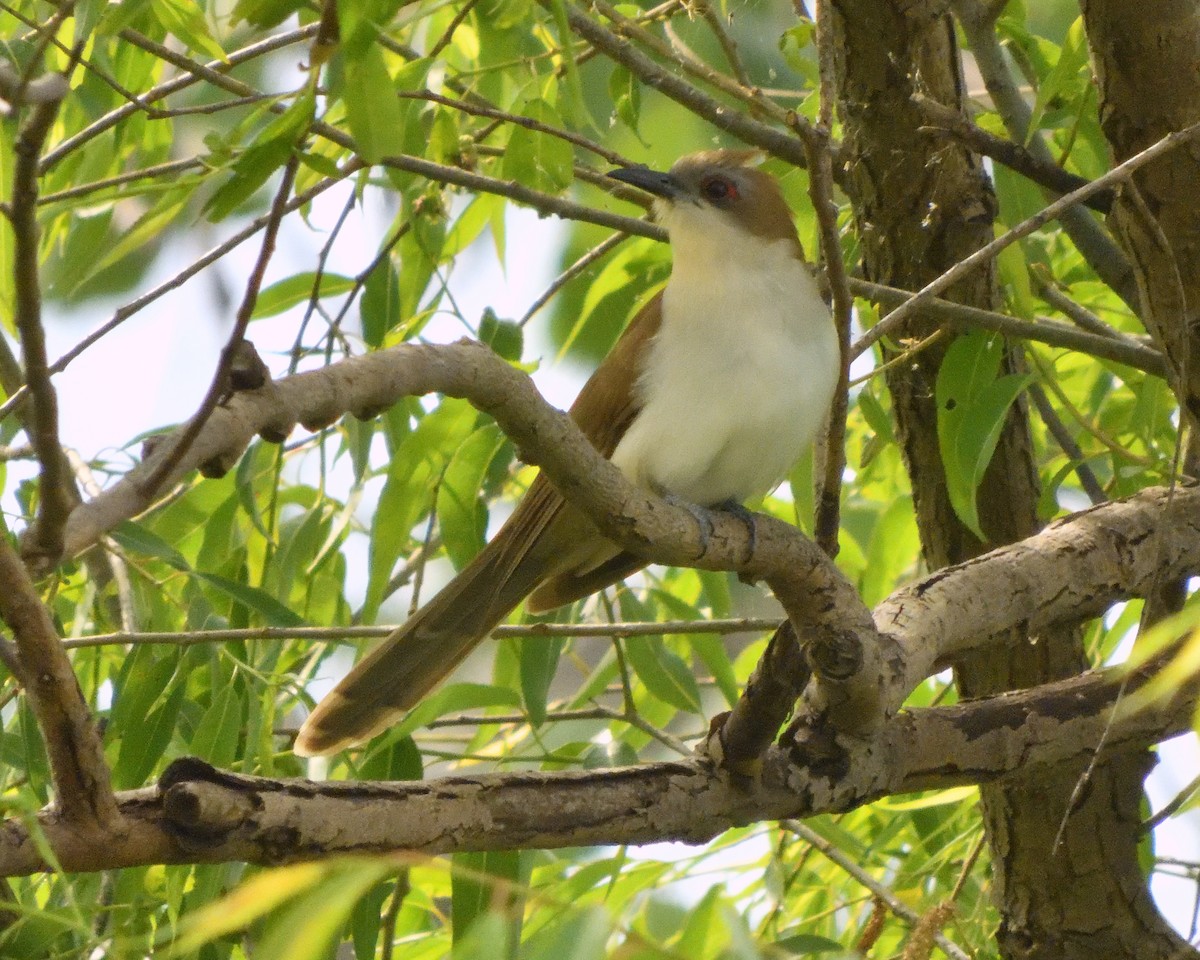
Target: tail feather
[{"x": 415, "y": 657}]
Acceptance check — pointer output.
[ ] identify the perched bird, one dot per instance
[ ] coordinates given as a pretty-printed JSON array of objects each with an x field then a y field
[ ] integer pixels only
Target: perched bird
[{"x": 710, "y": 395}]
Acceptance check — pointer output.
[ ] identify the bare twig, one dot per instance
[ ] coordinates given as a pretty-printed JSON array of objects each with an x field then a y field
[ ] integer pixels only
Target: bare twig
[
  {"x": 880, "y": 890},
  {"x": 827, "y": 521},
  {"x": 448, "y": 34},
  {"x": 1126, "y": 350},
  {"x": 1075, "y": 312},
  {"x": 214, "y": 72},
  {"x": 543, "y": 203},
  {"x": 597, "y": 252},
  {"x": 56, "y": 495},
  {"x": 985, "y": 253},
  {"x": 1040, "y": 169},
  {"x": 121, "y": 314},
  {"x": 352, "y": 633},
  {"x": 220, "y": 383},
  {"x": 746, "y": 129},
  {"x": 1062, "y": 436},
  {"x": 528, "y": 123},
  {"x": 728, "y": 46},
  {"x": 146, "y": 173}
]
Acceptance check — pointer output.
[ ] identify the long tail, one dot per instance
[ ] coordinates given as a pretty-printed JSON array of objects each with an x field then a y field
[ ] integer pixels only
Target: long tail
[{"x": 411, "y": 661}]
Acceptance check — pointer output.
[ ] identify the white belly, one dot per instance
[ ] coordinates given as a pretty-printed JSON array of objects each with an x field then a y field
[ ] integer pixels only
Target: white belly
[{"x": 737, "y": 383}]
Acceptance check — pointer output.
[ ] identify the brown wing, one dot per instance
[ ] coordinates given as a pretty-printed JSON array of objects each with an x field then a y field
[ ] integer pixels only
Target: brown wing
[{"x": 604, "y": 409}]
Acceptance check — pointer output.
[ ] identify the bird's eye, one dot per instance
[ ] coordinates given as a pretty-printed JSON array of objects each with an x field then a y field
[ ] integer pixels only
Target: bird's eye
[{"x": 718, "y": 188}]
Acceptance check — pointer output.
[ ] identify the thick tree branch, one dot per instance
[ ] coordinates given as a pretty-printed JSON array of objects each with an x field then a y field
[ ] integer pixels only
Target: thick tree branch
[
  {"x": 82, "y": 788},
  {"x": 198, "y": 814},
  {"x": 1072, "y": 570}
]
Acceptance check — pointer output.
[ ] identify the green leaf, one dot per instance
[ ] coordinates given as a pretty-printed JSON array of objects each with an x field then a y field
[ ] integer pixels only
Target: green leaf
[
  {"x": 269, "y": 151},
  {"x": 539, "y": 662},
  {"x": 218, "y": 731},
  {"x": 379, "y": 307},
  {"x": 625, "y": 91},
  {"x": 710, "y": 648},
  {"x": 614, "y": 753},
  {"x": 1068, "y": 67},
  {"x": 580, "y": 935},
  {"x": 972, "y": 407},
  {"x": 893, "y": 547},
  {"x": 261, "y": 602},
  {"x": 415, "y": 467},
  {"x": 372, "y": 107},
  {"x": 313, "y": 922},
  {"x": 537, "y": 159},
  {"x": 475, "y": 893},
  {"x": 149, "y": 227},
  {"x": 803, "y": 944},
  {"x": 254, "y": 899},
  {"x": 137, "y": 539},
  {"x": 462, "y": 515},
  {"x": 185, "y": 19},
  {"x": 298, "y": 288},
  {"x": 142, "y": 745},
  {"x": 503, "y": 336},
  {"x": 663, "y": 672},
  {"x": 264, "y": 13}
]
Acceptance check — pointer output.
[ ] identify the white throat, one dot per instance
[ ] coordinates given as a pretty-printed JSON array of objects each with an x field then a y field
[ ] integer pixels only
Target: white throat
[{"x": 739, "y": 378}]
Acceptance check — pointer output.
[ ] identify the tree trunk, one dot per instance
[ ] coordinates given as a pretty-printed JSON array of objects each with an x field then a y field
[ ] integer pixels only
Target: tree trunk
[{"x": 922, "y": 206}]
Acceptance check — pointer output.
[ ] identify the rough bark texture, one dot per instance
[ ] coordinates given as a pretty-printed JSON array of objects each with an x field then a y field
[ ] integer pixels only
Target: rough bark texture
[
  {"x": 921, "y": 206},
  {"x": 1149, "y": 82}
]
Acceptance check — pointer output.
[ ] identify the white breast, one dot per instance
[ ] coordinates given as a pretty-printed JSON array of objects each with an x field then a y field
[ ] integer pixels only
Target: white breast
[{"x": 740, "y": 376}]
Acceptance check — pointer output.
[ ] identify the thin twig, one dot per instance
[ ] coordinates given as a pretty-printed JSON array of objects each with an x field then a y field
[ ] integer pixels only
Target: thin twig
[
  {"x": 146, "y": 173},
  {"x": 1076, "y": 312},
  {"x": 218, "y": 67},
  {"x": 728, "y": 46},
  {"x": 985, "y": 253},
  {"x": 493, "y": 113},
  {"x": 220, "y": 382},
  {"x": 56, "y": 495},
  {"x": 597, "y": 252},
  {"x": 123, "y": 313},
  {"x": 1126, "y": 350},
  {"x": 881, "y": 890},
  {"x": 735, "y": 122},
  {"x": 622, "y": 629},
  {"x": 1062, "y": 436},
  {"x": 827, "y": 521},
  {"x": 448, "y": 34},
  {"x": 946, "y": 120}
]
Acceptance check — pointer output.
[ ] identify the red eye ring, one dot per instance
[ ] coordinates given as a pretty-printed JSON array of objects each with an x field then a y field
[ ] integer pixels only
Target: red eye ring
[{"x": 718, "y": 189}]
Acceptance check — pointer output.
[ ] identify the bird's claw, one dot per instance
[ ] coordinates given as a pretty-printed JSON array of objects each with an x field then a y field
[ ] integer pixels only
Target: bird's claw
[{"x": 703, "y": 518}]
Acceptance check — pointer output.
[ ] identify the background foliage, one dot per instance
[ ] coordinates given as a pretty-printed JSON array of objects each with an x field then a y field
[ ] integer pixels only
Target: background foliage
[{"x": 348, "y": 524}]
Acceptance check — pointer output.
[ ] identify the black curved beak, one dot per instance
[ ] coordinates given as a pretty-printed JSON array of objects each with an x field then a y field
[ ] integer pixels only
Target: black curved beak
[{"x": 659, "y": 184}]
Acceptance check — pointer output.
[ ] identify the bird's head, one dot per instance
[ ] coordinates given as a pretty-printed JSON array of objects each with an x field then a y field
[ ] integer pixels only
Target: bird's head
[{"x": 716, "y": 199}]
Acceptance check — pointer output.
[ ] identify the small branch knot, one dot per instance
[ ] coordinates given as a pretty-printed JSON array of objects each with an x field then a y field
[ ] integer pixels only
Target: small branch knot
[{"x": 835, "y": 655}]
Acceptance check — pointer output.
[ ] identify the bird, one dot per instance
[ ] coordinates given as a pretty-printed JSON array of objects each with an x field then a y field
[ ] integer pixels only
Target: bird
[{"x": 709, "y": 396}]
